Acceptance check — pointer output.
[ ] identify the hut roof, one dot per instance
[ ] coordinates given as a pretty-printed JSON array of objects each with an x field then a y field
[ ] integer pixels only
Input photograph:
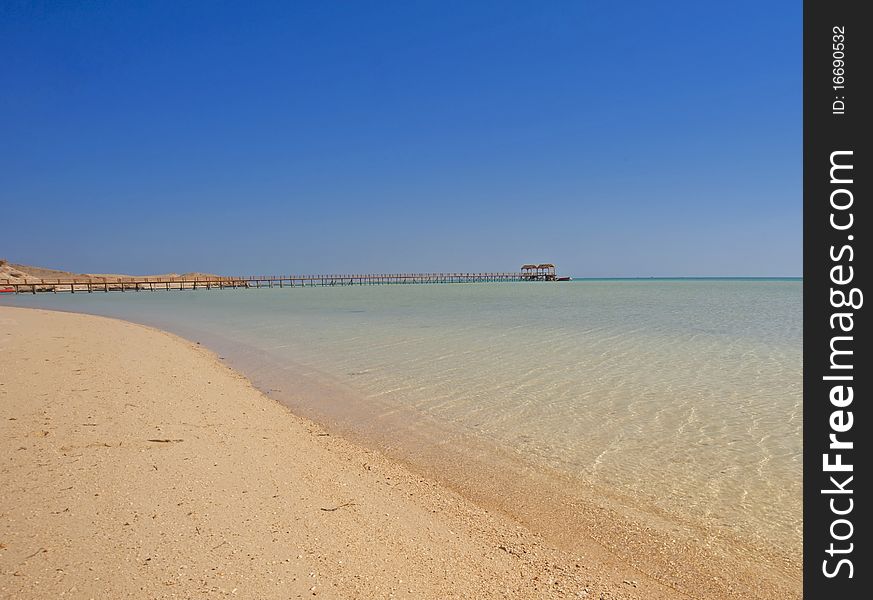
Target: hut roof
[
  {"x": 546, "y": 266},
  {"x": 526, "y": 267}
]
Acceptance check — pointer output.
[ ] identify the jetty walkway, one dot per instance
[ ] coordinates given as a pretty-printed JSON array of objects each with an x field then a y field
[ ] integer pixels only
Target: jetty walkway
[{"x": 138, "y": 284}]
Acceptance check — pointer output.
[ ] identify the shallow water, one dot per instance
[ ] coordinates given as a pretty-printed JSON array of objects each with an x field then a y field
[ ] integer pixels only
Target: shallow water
[{"x": 684, "y": 394}]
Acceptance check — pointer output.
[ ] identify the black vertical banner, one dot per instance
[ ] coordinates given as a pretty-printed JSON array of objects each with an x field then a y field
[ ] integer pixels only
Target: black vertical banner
[{"x": 836, "y": 273}]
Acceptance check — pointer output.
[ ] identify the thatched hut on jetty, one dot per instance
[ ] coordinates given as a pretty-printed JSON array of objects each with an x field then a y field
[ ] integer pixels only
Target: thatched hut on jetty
[{"x": 541, "y": 272}]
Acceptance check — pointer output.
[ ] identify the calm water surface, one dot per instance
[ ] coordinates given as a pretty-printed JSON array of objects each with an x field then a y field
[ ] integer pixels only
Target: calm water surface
[{"x": 684, "y": 393}]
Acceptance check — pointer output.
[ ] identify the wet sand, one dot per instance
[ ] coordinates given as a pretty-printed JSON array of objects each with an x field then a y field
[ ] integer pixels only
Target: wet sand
[{"x": 136, "y": 464}]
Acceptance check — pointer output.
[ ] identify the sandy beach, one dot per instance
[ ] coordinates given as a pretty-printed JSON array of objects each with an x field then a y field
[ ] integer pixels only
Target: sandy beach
[{"x": 137, "y": 465}]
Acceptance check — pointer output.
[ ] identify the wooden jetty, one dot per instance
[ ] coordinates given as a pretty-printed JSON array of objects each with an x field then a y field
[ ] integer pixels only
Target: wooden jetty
[{"x": 542, "y": 272}]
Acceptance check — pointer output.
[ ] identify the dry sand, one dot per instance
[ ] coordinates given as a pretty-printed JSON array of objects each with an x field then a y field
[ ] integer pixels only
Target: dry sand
[{"x": 136, "y": 465}]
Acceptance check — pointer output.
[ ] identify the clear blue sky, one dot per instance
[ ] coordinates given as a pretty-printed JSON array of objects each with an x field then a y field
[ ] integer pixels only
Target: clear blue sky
[{"x": 612, "y": 138}]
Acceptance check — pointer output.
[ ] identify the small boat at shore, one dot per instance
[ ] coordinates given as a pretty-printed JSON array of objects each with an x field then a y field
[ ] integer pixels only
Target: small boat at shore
[{"x": 562, "y": 278}]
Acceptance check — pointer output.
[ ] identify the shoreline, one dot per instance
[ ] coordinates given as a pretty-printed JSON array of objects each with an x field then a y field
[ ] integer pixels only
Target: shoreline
[
  {"x": 491, "y": 551},
  {"x": 694, "y": 558}
]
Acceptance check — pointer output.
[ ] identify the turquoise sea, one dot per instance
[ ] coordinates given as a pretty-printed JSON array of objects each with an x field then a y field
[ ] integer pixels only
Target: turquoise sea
[{"x": 682, "y": 394}]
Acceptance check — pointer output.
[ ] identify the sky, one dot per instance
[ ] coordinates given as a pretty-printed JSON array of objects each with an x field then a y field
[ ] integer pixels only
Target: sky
[{"x": 611, "y": 138}]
